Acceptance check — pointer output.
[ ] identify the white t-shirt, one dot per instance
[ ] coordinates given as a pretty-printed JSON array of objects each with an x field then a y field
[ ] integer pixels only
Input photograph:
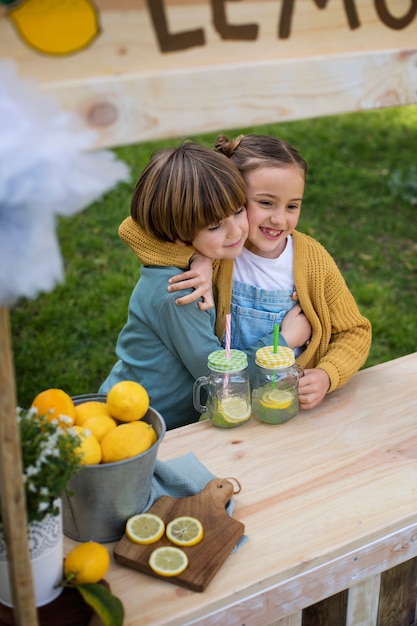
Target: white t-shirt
[{"x": 251, "y": 269}]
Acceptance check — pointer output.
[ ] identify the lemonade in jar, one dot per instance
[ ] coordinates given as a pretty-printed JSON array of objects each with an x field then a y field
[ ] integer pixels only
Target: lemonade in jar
[
  {"x": 228, "y": 401},
  {"x": 275, "y": 386}
]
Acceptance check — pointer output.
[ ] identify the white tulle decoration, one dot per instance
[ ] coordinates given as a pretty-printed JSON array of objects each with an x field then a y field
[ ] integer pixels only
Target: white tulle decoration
[{"x": 47, "y": 167}]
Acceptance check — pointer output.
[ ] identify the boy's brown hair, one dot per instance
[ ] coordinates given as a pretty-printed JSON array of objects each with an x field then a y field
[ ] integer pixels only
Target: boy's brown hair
[{"x": 184, "y": 190}]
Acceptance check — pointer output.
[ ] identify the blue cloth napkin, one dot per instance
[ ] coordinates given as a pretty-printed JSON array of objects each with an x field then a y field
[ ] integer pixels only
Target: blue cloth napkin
[{"x": 182, "y": 477}]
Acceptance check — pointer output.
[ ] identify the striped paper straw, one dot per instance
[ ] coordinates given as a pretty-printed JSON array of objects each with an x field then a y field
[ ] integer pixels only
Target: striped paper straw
[{"x": 228, "y": 322}]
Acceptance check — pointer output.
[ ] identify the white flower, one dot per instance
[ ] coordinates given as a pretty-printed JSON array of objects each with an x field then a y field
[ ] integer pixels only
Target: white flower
[
  {"x": 50, "y": 458},
  {"x": 66, "y": 419},
  {"x": 31, "y": 471}
]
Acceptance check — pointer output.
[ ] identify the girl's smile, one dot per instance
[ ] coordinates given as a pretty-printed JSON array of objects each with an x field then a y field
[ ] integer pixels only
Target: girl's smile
[{"x": 271, "y": 234}]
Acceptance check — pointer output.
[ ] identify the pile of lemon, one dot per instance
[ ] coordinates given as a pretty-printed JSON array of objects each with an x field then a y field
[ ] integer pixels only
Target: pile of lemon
[{"x": 110, "y": 431}]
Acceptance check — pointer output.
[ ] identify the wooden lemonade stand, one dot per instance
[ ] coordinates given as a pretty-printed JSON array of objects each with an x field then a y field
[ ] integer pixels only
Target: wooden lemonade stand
[
  {"x": 328, "y": 501},
  {"x": 137, "y": 71}
]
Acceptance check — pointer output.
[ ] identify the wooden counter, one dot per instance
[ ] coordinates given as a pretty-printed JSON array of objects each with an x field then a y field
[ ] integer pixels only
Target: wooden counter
[{"x": 329, "y": 503}]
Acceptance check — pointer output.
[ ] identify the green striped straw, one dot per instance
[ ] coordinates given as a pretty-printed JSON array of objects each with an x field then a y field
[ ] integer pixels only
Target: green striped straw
[{"x": 276, "y": 337}]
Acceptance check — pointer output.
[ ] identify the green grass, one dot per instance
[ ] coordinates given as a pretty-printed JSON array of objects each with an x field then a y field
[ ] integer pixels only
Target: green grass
[{"x": 360, "y": 202}]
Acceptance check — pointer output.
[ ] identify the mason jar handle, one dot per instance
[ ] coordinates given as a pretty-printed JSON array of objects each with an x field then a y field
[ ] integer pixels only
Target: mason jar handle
[{"x": 203, "y": 380}]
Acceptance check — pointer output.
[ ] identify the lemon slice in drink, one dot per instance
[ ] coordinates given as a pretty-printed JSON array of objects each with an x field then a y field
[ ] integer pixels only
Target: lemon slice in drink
[
  {"x": 168, "y": 561},
  {"x": 185, "y": 531},
  {"x": 144, "y": 528},
  {"x": 235, "y": 409},
  {"x": 277, "y": 399}
]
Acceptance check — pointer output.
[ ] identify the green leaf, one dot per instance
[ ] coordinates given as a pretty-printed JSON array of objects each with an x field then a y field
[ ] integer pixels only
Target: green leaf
[{"x": 105, "y": 604}]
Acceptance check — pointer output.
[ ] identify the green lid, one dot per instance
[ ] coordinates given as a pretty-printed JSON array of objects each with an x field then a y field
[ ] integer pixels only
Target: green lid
[
  {"x": 219, "y": 362},
  {"x": 284, "y": 357}
]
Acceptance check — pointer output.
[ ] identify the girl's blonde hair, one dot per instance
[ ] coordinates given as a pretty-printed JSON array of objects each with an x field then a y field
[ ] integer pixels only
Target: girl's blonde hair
[
  {"x": 184, "y": 190},
  {"x": 250, "y": 152}
]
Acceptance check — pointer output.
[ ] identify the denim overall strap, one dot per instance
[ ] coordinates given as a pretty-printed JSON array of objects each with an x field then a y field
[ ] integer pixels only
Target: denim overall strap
[{"x": 255, "y": 312}]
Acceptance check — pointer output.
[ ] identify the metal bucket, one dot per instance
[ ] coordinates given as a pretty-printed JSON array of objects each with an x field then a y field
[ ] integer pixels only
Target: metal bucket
[{"x": 102, "y": 497}]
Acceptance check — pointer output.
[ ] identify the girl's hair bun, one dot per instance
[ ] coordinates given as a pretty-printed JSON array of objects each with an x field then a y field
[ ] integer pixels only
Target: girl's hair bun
[{"x": 227, "y": 146}]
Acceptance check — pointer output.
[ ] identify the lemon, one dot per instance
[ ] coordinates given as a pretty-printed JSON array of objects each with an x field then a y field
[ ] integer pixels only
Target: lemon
[
  {"x": 277, "y": 399},
  {"x": 128, "y": 401},
  {"x": 144, "y": 528},
  {"x": 56, "y": 26},
  {"x": 100, "y": 425},
  {"x": 168, "y": 561},
  {"x": 235, "y": 409},
  {"x": 89, "y": 409},
  {"x": 56, "y": 404},
  {"x": 127, "y": 440},
  {"x": 185, "y": 531},
  {"x": 86, "y": 563},
  {"x": 89, "y": 448}
]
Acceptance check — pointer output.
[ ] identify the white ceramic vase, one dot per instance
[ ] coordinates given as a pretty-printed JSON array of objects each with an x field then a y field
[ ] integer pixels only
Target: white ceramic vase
[{"x": 46, "y": 554}]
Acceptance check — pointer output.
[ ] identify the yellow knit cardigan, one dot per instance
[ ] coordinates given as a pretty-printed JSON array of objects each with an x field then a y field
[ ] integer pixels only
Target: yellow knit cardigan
[{"x": 341, "y": 336}]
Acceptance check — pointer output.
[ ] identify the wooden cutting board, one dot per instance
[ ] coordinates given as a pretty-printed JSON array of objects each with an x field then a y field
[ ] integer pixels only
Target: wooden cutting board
[{"x": 221, "y": 534}]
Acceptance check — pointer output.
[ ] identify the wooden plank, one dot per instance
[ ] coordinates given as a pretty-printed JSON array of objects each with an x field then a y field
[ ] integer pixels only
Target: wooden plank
[
  {"x": 301, "y": 62},
  {"x": 292, "y": 620},
  {"x": 328, "y": 612},
  {"x": 363, "y": 600},
  {"x": 12, "y": 489},
  {"x": 397, "y": 605},
  {"x": 184, "y": 103},
  {"x": 310, "y": 589}
]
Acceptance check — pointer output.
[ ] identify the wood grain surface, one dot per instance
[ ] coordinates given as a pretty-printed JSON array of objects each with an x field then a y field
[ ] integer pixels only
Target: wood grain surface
[
  {"x": 12, "y": 491},
  {"x": 127, "y": 90},
  {"x": 328, "y": 501},
  {"x": 221, "y": 534}
]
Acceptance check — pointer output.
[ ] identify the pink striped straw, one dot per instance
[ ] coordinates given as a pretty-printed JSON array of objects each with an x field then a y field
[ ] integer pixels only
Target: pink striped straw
[{"x": 228, "y": 336}]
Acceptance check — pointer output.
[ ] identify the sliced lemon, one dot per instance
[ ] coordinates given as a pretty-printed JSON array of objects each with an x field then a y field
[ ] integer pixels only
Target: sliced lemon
[
  {"x": 235, "y": 409},
  {"x": 185, "y": 531},
  {"x": 144, "y": 528},
  {"x": 277, "y": 399},
  {"x": 168, "y": 561}
]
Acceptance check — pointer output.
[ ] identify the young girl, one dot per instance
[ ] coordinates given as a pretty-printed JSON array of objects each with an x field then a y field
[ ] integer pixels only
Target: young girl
[
  {"x": 281, "y": 266},
  {"x": 189, "y": 195}
]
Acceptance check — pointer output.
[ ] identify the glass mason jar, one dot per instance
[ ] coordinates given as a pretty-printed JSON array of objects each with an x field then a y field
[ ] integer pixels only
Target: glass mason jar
[
  {"x": 228, "y": 390},
  {"x": 275, "y": 385}
]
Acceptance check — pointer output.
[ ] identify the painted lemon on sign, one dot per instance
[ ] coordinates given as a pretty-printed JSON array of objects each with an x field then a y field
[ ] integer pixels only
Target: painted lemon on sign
[{"x": 56, "y": 27}]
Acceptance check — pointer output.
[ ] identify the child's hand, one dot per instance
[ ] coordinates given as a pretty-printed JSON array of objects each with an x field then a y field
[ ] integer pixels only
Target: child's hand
[
  {"x": 312, "y": 387},
  {"x": 199, "y": 278},
  {"x": 296, "y": 328}
]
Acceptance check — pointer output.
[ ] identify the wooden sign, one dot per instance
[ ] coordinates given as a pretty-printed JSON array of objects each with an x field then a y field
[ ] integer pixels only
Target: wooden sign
[{"x": 137, "y": 70}]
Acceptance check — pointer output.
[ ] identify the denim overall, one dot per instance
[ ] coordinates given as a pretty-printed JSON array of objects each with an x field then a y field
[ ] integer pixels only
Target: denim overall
[{"x": 255, "y": 312}]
